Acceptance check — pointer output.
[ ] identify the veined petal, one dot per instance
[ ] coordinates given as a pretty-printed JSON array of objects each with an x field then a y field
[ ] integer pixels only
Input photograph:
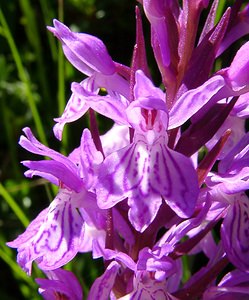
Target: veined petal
[
  {"x": 75, "y": 109},
  {"x": 190, "y": 102},
  {"x": 142, "y": 212},
  {"x": 144, "y": 287},
  {"x": 145, "y": 172},
  {"x": 102, "y": 286},
  {"x": 234, "y": 232},
  {"x": 90, "y": 159},
  {"x": 111, "y": 107},
  {"x": 54, "y": 237}
]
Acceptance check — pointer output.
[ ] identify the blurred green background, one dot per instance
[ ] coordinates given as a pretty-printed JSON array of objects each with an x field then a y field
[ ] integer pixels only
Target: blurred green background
[{"x": 34, "y": 87}]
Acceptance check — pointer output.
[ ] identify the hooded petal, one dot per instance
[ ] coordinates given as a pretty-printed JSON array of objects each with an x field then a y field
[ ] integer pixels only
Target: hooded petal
[{"x": 86, "y": 53}]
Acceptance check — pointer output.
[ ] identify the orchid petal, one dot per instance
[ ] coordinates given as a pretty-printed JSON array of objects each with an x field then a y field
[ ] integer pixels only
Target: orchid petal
[
  {"x": 121, "y": 257},
  {"x": 119, "y": 135},
  {"x": 191, "y": 101},
  {"x": 90, "y": 159},
  {"x": 142, "y": 212},
  {"x": 154, "y": 13},
  {"x": 241, "y": 107},
  {"x": 54, "y": 237},
  {"x": 144, "y": 88},
  {"x": 234, "y": 232},
  {"x": 55, "y": 172},
  {"x": 150, "y": 260},
  {"x": 237, "y": 72},
  {"x": 85, "y": 52},
  {"x": 105, "y": 105},
  {"x": 141, "y": 171},
  {"x": 238, "y": 130},
  {"x": 31, "y": 144},
  {"x": 60, "y": 282},
  {"x": 102, "y": 286},
  {"x": 237, "y": 30},
  {"x": 147, "y": 288},
  {"x": 237, "y": 157},
  {"x": 75, "y": 109}
]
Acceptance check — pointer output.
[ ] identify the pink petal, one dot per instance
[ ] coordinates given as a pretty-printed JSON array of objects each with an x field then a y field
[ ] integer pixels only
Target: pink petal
[
  {"x": 102, "y": 286},
  {"x": 144, "y": 173},
  {"x": 60, "y": 282},
  {"x": 86, "y": 52},
  {"x": 75, "y": 109},
  {"x": 235, "y": 232},
  {"x": 54, "y": 237},
  {"x": 193, "y": 100}
]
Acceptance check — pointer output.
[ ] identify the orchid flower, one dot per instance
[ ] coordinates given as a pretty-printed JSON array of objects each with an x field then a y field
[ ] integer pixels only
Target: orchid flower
[
  {"x": 56, "y": 235},
  {"x": 174, "y": 164}
]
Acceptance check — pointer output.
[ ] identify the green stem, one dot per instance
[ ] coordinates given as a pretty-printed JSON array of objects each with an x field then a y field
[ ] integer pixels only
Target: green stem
[
  {"x": 14, "y": 206},
  {"x": 48, "y": 15},
  {"x": 61, "y": 79}
]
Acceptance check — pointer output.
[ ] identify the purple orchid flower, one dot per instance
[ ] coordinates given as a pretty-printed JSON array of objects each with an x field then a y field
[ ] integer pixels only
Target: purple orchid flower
[
  {"x": 61, "y": 284},
  {"x": 154, "y": 276},
  {"x": 147, "y": 170},
  {"x": 135, "y": 202},
  {"x": 234, "y": 231},
  {"x": 232, "y": 176},
  {"x": 54, "y": 237},
  {"x": 227, "y": 188},
  {"x": 233, "y": 286},
  {"x": 57, "y": 233}
]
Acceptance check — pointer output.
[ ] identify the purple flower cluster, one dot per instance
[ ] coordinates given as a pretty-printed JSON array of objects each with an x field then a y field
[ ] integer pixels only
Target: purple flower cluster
[{"x": 139, "y": 196}]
